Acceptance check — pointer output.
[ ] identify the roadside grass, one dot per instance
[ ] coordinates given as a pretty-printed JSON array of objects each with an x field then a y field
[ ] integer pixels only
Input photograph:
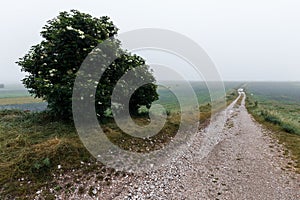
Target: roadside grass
[
  {"x": 239, "y": 101},
  {"x": 33, "y": 145},
  {"x": 231, "y": 96},
  {"x": 273, "y": 115}
]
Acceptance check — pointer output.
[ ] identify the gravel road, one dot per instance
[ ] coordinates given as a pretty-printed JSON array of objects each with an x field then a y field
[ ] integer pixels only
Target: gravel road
[{"x": 240, "y": 162}]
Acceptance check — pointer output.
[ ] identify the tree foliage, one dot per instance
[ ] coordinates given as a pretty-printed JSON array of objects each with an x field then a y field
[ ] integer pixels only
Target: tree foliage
[{"x": 52, "y": 64}]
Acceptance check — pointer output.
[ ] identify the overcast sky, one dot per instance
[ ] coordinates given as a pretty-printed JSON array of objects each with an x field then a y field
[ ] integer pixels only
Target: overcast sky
[{"x": 247, "y": 40}]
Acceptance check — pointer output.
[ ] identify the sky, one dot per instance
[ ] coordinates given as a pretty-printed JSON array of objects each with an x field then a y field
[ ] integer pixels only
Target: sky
[{"x": 257, "y": 40}]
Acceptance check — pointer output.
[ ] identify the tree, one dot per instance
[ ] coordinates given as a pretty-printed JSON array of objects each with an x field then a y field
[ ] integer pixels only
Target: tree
[{"x": 53, "y": 63}]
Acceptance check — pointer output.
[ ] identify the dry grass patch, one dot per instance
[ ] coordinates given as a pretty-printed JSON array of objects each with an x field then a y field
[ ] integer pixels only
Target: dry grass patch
[{"x": 19, "y": 100}]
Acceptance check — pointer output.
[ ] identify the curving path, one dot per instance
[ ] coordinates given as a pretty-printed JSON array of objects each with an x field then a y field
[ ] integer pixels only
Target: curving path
[{"x": 240, "y": 162}]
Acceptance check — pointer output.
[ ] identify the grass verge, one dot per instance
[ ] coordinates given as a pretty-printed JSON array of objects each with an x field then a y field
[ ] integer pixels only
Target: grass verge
[
  {"x": 239, "y": 101},
  {"x": 284, "y": 132}
]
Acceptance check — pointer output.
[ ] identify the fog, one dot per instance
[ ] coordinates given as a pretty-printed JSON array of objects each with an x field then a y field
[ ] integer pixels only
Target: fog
[{"x": 247, "y": 40}]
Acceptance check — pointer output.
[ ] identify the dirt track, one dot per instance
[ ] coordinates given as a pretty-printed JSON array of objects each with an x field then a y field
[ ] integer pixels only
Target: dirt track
[{"x": 240, "y": 162}]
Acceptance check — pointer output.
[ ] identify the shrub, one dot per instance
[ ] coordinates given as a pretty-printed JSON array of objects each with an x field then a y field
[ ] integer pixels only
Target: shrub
[{"x": 53, "y": 63}]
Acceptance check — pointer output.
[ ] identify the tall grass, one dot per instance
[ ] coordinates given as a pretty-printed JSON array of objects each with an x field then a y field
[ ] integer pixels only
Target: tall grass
[{"x": 31, "y": 146}]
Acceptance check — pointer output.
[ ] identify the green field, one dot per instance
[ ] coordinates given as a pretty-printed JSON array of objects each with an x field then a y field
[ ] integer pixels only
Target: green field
[
  {"x": 170, "y": 102},
  {"x": 13, "y": 91},
  {"x": 277, "y": 105},
  {"x": 16, "y": 94},
  {"x": 280, "y": 101}
]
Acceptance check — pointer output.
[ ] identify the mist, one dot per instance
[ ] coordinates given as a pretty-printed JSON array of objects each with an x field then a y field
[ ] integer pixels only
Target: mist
[{"x": 248, "y": 41}]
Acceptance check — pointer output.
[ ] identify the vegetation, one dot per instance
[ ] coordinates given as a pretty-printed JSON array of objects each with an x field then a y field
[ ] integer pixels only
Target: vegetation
[
  {"x": 33, "y": 145},
  {"x": 239, "y": 101},
  {"x": 67, "y": 40},
  {"x": 12, "y": 93},
  {"x": 277, "y": 107}
]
